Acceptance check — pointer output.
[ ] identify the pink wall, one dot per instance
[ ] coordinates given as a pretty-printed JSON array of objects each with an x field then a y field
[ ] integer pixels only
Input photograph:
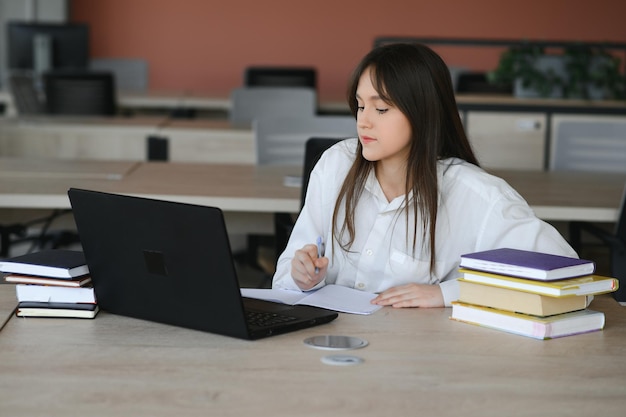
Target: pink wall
[{"x": 204, "y": 45}]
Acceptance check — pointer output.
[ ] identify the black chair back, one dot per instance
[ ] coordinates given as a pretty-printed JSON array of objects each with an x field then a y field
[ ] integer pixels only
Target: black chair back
[
  {"x": 24, "y": 93},
  {"x": 313, "y": 150},
  {"x": 80, "y": 93},
  {"x": 280, "y": 77}
]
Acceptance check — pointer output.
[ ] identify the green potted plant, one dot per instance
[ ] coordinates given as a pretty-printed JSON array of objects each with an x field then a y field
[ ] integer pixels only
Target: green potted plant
[
  {"x": 593, "y": 74},
  {"x": 531, "y": 71},
  {"x": 581, "y": 71}
]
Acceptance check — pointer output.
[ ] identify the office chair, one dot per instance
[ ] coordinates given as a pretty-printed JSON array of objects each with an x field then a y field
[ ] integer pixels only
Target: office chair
[
  {"x": 594, "y": 144},
  {"x": 81, "y": 93},
  {"x": 281, "y": 141},
  {"x": 130, "y": 74},
  {"x": 615, "y": 241},
  {"x": 250, "y": 103},
  {"x": 25, "y": 96},
  {"x": 257, "y": 76}
]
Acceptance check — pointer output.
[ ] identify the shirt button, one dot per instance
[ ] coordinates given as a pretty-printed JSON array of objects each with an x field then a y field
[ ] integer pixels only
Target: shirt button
[
  {"x": 369, "y": 252},
  {"x": 360, "y": 285}
]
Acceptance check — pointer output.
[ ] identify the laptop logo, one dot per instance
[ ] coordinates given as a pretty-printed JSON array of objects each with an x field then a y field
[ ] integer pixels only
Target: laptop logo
[{"x": 155, "y": 262}]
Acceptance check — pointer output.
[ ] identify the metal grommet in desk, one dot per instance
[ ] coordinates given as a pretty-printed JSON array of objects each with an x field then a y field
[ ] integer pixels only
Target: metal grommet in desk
[{"x": 335, "y": 342}]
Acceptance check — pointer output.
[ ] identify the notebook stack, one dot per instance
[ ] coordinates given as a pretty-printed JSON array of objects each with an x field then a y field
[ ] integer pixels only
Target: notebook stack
[
  {"x": 529, "y": 293},
  {"x": 51, "y": 283}
]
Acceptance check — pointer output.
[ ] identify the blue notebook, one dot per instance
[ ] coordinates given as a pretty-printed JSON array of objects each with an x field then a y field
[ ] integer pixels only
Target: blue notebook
[{"x": 527, "y": 264}]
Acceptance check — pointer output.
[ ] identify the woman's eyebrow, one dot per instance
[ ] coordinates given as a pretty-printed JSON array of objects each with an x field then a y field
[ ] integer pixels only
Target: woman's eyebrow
[{"x": 374, "y": 97}]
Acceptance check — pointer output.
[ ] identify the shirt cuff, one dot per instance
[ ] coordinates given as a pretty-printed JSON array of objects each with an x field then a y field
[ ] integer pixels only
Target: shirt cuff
[
  {"x": 450, "y": 291},
  {"x": 288, "y": 283}
]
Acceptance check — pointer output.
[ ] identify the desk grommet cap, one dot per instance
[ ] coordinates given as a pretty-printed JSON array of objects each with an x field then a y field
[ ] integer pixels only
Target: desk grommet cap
[{"x": 342, "y": 360}]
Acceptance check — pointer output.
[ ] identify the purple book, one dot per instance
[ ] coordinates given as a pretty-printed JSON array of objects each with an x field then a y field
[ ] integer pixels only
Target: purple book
[{"x": 527, "y": 264}]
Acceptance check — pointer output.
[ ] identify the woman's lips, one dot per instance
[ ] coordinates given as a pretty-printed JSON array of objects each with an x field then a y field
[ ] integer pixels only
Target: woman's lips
[{"x": 367, "y": 139}]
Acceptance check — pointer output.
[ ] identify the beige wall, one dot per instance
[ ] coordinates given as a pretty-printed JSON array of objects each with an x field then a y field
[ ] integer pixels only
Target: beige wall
[{"x": 204, "y": 45}]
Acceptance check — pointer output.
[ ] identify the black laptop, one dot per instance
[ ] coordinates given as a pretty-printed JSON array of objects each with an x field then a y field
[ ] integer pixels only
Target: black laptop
[{"x": 171, "y": 263}]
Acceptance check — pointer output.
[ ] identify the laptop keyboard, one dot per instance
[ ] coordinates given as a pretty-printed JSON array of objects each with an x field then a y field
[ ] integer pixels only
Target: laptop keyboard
[{"x": 263, "y": 319}]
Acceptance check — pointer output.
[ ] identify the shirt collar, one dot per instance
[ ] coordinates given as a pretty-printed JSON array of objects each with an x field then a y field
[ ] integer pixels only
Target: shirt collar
[{"x": 373, "y": 187}]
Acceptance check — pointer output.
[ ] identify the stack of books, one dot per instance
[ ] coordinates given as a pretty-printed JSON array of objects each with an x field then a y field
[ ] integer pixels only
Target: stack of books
[
  {"x": 51, "y": 283},
  {"x": 533, "y": 294}
]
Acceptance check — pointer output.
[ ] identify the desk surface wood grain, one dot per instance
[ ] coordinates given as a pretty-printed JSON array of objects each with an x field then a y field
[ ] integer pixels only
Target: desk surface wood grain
[
  {"x": 566, "y": 195},
  {"x": 418, "y": 362},
  {"x": 36, "y": 168}
]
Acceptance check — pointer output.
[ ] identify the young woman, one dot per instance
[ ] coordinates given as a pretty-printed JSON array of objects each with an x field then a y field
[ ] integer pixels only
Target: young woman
[{"x": 398, "y": 206}]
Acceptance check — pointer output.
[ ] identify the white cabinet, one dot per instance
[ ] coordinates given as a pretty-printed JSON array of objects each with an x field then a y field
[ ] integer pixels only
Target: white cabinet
[
  {"x": 124, "y": 139},
  {"x": 508, "y": 140},
  {"x": 86, "y": 139}
]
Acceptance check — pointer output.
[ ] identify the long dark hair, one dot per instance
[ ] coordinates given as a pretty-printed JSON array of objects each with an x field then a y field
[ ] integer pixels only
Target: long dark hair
[{"x": 415, "y": 79}]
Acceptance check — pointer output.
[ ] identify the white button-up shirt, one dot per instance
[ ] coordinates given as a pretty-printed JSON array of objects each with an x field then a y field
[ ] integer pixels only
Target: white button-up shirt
[{"x": 477, "y": 211}]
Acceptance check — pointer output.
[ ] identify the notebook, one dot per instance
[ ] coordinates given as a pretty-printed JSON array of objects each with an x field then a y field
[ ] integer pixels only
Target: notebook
[{"x": 171, "y": 263}]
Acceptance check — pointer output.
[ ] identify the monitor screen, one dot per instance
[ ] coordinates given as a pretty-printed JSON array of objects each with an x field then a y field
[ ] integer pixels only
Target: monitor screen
[
  {"x": 47, "y": 46},
  {"x": 280, "y": 77}
]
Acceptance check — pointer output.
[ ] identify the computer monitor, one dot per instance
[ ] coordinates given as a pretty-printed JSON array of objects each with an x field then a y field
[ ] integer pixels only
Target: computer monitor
[
  {"x": 280, "y": 77},
  {"x": 41, "y": 47}
]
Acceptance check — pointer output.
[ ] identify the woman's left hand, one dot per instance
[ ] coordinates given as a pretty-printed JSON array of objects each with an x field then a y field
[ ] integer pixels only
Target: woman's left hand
[{"x": 411, "y": 295}]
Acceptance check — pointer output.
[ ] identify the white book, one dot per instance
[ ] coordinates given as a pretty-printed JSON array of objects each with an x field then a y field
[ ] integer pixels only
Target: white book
[
  {"x": 559, "y": 325},
  {"x": 68, "y": 310},
  {"x": 55, "y": 294}
]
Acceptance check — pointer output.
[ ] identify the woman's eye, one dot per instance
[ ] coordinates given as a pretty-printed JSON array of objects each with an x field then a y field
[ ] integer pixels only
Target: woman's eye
[{"x": 379, "y": 111}]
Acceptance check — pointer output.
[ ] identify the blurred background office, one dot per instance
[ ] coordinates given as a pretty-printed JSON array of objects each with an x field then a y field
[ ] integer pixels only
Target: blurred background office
[
  {"x": 204, "y": 45},
  {"x": 198, "y": 51}
]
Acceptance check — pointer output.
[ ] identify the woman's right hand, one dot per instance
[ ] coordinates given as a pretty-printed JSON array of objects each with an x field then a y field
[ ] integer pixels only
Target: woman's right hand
[{"x": 307, "y": 270}]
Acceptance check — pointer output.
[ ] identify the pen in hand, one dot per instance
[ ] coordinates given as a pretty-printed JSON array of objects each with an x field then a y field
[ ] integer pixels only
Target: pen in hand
[{"x": 320, "y": 251}]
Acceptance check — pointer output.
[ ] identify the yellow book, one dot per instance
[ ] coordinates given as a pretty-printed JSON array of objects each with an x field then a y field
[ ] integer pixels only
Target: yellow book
[
  {"x": 519, "y": 301},
  {"x": 587, "y": 285}
]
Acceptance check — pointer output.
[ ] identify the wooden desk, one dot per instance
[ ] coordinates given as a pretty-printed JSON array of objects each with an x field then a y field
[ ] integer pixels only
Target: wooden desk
[
  {"x": 219, "y": 101},
  {"x": 209, "y": 141},
  {"x": 125, "y": 138},
  {"x": 232, "y": 187},
  {"x": 102, "y": 138},
  {"x": 249, "y": 195},
  {"x": 55, "y": 168},
  {"x": 8, "y": 302},
  {"x": 567, "y": 196},
  {"x": 246, "y": 188},
  {"x": 217, "y": 141},
  {"x": 43, "y": 183},
  {"x": 418, "y": 362}
]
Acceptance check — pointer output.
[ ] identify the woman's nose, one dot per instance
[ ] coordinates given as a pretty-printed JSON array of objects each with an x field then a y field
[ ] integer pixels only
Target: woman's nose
[{"x": 362, "y": 119}]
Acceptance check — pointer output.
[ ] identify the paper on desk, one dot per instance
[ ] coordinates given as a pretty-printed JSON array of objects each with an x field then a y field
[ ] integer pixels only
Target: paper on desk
[{"x": 331, "y": 297}]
